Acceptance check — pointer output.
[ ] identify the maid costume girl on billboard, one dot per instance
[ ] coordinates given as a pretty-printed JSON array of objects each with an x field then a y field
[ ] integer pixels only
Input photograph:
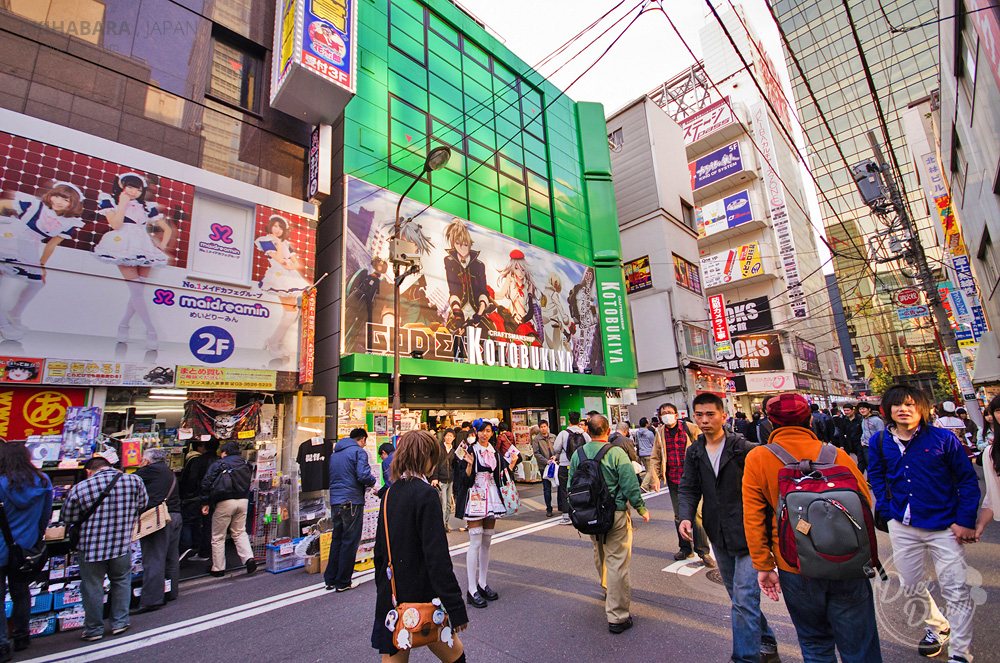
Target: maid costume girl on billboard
[
  {"x": 129, "y": 246},
  {"x": 283, "y": 278},
  {"x": 28, "y": 240}
]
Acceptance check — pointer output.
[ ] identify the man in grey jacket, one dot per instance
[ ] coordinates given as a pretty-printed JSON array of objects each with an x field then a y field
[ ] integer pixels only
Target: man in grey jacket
[
  {"x": 544, "y": 452},
  {"x": 560, "y": 449}
]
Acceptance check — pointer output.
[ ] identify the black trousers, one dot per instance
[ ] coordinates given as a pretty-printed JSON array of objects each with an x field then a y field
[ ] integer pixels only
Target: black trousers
[
  {"x": 562, "y": 492},
  {"x": 159, "y": 562}
]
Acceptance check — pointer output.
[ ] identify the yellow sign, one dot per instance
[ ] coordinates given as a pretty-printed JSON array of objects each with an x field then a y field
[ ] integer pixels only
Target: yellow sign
[
  {"x": 378, "y": 404},
  {"x": 287, "y": 35},
  {"x": 332, "y": 11},
  {"x": 46, "y": 410},
  {"x": 207, "y": 377}
]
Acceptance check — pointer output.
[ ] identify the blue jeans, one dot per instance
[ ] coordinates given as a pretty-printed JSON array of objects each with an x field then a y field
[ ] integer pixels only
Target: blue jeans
[
  {"x": 547, "y": 493},
  {"x": 20, "y": 614},
  {"x": 749, "y": 625},
  {"x": 830, "y": 614},
  {"x": 347, "y": 520},
  {"x": 119, "y": 573}
]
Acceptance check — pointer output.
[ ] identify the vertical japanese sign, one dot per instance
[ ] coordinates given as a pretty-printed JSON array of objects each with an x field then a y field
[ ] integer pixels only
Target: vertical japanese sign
[
  {"x": 307, "y": 341},
  {"x": 779, "y": 214},
  {"x": 720, "y": 327},
  {"x": 962, "y": 376}
]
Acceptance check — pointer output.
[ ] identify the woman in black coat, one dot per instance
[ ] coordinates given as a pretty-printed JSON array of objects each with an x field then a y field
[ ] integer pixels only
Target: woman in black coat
[{"x": 421, "y": 561}]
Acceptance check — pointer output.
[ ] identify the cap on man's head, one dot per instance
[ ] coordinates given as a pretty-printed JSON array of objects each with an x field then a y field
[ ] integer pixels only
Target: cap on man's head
[
  {"x": 948, "y": 406},
  {"x": 789, "y": 410}
]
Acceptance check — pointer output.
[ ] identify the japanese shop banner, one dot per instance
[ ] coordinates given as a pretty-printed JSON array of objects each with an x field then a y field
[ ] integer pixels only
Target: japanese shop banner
[
  {"x": 638, "y": 275},
  {"x": 716, "y": 165},
  {"x": 749, "y": 315},
  {"x": 480, "y": 296},
  {"x": 107, "y": 373},
  {"x": 21, "y": 370},
  {"x": 723, "y": 214},
  {"x": 203, "y": 377},
  {"x": 28, "y": 411},
  {"x": 735, "y": 264},
  {"x": 707, "y": 121},
  {"x": 105, "y": 263},
  {"x": 754, "y": 353}
]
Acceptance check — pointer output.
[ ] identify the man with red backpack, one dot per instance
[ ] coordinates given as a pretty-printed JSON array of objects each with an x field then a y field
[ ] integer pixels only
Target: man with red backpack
[{"x": 831, "y": 607}]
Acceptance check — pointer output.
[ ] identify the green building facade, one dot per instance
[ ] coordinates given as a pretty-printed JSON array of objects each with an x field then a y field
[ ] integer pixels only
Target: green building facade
[{"x": 529, "y": 176}]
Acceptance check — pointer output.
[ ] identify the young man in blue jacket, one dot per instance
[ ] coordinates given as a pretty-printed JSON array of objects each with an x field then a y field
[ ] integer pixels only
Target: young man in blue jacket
[
  {"x": 927, "y": 489},
  {"x": 350, "y": 475}
]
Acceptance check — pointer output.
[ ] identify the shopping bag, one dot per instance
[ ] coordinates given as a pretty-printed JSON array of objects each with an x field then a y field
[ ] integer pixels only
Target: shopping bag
[
  {"x": 508, "y": 492},
  {"x": 552, "y": 473}
]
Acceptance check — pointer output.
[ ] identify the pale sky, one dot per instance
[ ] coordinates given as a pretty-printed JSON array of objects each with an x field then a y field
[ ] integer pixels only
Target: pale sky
[{"x": 645, "y": 57}]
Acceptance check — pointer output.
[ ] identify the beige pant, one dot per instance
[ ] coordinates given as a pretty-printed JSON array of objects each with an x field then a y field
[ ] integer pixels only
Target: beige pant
[
  {"x": 613, "y": 557},
  {"x": 229, "y": 515}
]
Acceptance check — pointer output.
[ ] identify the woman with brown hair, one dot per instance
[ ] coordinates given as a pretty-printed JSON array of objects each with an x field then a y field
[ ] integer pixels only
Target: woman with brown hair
[
  {"x": 26, "y": 500},
  {"x": 421, "y": 563}
]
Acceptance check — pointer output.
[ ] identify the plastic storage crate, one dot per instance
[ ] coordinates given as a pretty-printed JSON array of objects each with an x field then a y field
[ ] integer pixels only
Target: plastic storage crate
[
  {"x": 41, "y": 603},
  {"x": 70, "y": 619},
  {"x": 42, "y": 625},
  {"x": 66, "y": 598},
  {"x": 282, "y": 557}
]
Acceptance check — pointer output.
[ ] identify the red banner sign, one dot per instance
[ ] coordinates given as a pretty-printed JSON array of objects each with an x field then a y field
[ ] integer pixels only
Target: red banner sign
[
  {"x": 28, "y": 411},
  {"x": 720, "y": 329},
  {"x": 21, "y": 370}
]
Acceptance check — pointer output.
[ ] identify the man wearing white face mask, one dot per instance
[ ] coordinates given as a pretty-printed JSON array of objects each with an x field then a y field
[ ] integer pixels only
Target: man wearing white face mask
[{"x": 667, "y": 462}]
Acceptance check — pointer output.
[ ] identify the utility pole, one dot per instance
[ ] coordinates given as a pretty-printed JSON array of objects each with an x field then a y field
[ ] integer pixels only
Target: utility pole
[{"x": 927, "y": 282}]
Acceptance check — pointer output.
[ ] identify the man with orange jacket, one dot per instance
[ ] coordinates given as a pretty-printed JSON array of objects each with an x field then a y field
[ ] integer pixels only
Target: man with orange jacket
[{"x": 827, "y": 614}]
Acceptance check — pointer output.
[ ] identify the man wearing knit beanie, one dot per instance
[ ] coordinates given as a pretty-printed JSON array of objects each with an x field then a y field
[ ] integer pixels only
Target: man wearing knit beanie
[{"x": 826, "y": 613}]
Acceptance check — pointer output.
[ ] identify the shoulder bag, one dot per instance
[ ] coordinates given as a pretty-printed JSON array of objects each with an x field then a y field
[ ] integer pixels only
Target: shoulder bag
[
  {"x": 508, "y": 492},
  {"x": 24, "y": 562},
  {"x": 881, "y": 522},
  {"x": 155, "y": 519},
  {"x": 413, "y": 624},
  {"x": 74, "y": 530}
]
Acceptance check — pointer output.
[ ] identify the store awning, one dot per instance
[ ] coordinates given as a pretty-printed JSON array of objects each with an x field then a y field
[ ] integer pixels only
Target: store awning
[
  {"x": 987, "y": 360},
  {"x": 707, "y": 368}
]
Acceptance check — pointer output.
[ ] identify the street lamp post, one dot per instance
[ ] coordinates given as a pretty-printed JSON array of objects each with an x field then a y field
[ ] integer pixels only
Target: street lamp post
[{"x": 436, "y": 159}]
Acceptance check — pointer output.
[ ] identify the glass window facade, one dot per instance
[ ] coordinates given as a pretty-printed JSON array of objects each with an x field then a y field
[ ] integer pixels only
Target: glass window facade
[{"x": 515, "y": 161}]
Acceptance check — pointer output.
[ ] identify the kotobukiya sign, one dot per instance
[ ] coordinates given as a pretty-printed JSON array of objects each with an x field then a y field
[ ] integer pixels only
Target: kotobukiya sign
[
  {"x": 754, "y": 353},
  {"x": 749, "y": 315}
]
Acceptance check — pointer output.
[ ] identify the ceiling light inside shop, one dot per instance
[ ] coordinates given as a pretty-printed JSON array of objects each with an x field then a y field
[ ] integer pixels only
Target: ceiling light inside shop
[
  {"x": 311, "y": 430},
  {"x": 506, "y": 383},
  {"x": 466, "y": 380},
  {"x": 373, "y": 375},
  {"x": 538, "y": 384},
  {"x": 169, "y": 392},
  {"x": 422, "y": 377},
  {"x": 158, "y": 397}
]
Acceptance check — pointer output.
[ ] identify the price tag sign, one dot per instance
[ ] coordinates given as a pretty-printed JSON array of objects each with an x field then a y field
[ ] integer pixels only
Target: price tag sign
[{"x": 285, "y": 549}]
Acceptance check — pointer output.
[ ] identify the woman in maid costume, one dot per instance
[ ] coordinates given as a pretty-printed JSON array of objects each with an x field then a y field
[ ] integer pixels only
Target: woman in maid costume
[
  {"x": 27, "y": 243},
  {"x": 477, "y": 470},
  {"x": 283, "y": 277},
  {"x": 129, "y": 245}
]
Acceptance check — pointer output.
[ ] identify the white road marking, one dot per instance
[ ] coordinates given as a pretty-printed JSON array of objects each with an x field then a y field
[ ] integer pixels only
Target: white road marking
[
  {"x": 684, "y": 568},
  {"x": 122, "y": 645}
]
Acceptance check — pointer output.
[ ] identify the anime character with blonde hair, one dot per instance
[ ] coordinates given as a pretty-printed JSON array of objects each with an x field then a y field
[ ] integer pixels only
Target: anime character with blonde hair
[
  {"x": 28, "y": 242},
  {"x": 283, "y": 278},
  {"x": 516, "y": 286},
  {"x": 468, "y": 291}
]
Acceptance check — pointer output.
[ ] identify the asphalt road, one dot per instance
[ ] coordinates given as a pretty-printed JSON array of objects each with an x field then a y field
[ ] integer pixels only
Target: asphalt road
[{"x": 550, "y": 608}]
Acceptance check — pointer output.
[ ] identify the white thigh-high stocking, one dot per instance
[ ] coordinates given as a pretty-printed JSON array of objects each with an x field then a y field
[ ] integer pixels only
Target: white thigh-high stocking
[
  {"x": 29, "y": 292},
  {"x": 288, "y": 318},
  {"x": 473, "y": 556},
  {"x": 484, "y": 556},
  {"x": 137, "y": 304}
]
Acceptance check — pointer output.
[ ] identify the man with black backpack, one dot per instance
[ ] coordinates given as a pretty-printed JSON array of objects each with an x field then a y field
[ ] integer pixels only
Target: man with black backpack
[
  {"x": 225, "y": 490},
  {"x": 602, "y": 484},
  {"x": 567, "y": 442},
  {"x": 713, "y": 472},
  {"x": 831, "y": 606},
  {"x": 821, "y": 424}
]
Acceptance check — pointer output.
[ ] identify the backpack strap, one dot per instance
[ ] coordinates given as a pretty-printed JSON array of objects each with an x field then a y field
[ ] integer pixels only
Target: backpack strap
[
  {"x": 827, "y": 454},
  {"x": 602, "y": 452},
  {"x": 782, "y": 454}
]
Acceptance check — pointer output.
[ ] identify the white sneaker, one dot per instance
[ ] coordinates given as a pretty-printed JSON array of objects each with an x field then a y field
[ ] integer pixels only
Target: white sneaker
[
  {"x": 16, "y": 323},
  {"x": 152, "y": 342},
  {"x": 123, "y": 333},
  {"x": 11, "y": 332},
  {"x": 274, "y": 349}
]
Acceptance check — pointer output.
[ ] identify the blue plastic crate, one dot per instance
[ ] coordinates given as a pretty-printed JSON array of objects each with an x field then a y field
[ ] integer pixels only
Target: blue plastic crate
[
  {"x": 66, "y": 598},
  {"x": 41, "y": 603},
  {"x": 278, "y": 563},
  {"x": 42, "y": 625}
]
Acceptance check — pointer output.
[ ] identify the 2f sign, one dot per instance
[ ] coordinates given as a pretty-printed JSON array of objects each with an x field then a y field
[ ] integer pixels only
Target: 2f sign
[{"x": 212, "y": 345}]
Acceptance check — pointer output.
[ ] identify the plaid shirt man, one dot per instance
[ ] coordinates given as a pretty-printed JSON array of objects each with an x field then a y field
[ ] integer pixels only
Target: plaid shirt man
[
  {"x": 675, "y": 440},
  {"x": 107, "y": 534}
]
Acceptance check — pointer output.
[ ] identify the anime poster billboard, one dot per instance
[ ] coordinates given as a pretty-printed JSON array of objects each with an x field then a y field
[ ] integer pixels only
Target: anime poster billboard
[
  {"x": 480, "y": 297},
  {"x": 102, "y": 262}
]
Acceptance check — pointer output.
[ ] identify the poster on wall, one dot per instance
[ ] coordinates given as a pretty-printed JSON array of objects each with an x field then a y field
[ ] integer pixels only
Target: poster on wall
[
  {"x": 81, "y": 235},
  {"x": 21, "y": 370},
  {"x": 480, "y": 297},
  {"x": 638, "y": 276},
  {"x": 723, "y": 214}
]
